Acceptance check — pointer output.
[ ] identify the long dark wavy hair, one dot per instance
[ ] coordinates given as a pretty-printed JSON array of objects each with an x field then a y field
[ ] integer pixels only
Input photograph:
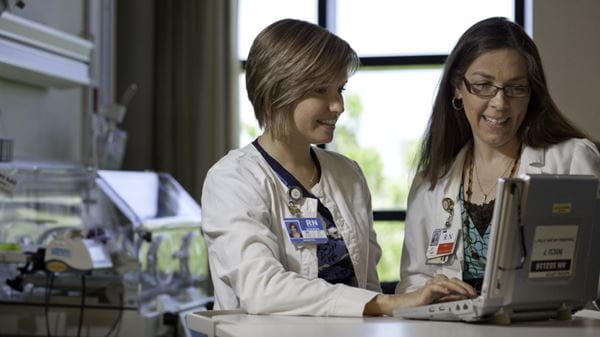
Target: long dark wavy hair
[{"x": 448, "y": 130}]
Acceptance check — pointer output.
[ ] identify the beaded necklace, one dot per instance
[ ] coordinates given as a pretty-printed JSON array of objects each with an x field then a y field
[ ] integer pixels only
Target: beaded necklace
[{"x": 469, "y": 191}]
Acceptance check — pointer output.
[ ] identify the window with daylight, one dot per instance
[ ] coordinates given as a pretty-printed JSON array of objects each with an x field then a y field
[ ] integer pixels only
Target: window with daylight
[{"x": 402, "y": 45}]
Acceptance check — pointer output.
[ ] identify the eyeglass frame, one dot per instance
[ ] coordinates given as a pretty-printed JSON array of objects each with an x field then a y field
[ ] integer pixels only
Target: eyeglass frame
[{"x": 469, "y": 87}]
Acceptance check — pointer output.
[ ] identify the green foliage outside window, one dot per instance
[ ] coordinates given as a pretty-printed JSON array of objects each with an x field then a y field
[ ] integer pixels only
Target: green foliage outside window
[
  {"x": 386, "y": 191},
  {"x": 390, "y": 236}
]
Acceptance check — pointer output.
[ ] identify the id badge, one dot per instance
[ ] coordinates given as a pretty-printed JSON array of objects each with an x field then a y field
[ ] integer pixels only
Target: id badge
[
  {"x": 305, "y": 230},
  {"x": 442, "y": 244}
]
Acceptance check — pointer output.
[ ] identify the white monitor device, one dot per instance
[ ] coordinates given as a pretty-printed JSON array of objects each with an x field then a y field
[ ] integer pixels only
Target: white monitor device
[{"x": 149, "y": 199}]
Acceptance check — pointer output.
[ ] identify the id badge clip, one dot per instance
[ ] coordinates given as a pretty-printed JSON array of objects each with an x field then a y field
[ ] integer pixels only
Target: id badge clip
[
  {"x": 443, "y": 240},
  {"x": 305, "y": 230}
]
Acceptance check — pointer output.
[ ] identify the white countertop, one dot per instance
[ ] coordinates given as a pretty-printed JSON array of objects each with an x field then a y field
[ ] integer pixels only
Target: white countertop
[{"x": 236, "y": 324}]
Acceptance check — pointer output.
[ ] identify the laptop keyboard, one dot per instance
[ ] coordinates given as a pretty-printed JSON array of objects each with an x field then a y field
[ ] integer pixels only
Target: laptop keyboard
[
  {"x": 449, "y": 311},
  {"x": 476, "y": 283}
]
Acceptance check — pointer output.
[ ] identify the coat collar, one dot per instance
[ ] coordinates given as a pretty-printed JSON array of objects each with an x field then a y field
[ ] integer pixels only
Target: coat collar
[
  {"x": 531, "y": 161},
  {"x": 453, "y": 179}
]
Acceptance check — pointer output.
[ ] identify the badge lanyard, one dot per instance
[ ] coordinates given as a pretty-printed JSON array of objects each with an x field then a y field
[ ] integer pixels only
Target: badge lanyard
[
  {"x": 443, "y": 240},
  {"x": 295, "y": 189}
]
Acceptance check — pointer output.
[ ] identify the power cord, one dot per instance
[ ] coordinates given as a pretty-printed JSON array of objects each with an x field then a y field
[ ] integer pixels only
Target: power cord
[
  {"x": 49, "y": 283},
  {"x": 119, "y": 317},
  {"x": 49, "y": 286},
  {"x": 81, "y": 308}
]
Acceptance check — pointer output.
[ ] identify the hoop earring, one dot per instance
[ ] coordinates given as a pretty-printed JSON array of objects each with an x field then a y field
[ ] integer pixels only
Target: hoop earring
[{"x": 457, "y": 104}]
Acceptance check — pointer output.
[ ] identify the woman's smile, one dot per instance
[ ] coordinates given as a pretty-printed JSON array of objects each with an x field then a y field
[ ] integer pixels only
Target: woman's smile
[
  {"x": 495, "y": 122},
  {"x": 329, "y": 123}
]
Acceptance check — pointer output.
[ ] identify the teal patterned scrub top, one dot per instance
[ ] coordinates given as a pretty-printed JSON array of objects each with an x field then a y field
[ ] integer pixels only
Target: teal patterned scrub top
[{"x": 475, "y": 239}]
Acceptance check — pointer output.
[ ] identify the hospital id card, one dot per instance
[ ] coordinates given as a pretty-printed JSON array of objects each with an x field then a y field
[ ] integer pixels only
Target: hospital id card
[
  {"x": 442, "y": 243},
  {"x": 305, "y": 230}
]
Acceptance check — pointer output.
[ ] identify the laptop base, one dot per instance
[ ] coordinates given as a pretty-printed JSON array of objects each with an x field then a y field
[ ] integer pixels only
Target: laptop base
[{"x": 471, "y": 311}]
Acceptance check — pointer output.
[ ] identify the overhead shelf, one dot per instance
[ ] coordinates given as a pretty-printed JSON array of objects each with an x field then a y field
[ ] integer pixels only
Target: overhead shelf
[{"x": 40, "y": 55}]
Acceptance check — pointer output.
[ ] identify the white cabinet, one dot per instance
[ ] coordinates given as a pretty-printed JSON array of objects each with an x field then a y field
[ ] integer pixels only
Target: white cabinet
[{"x": 40, "y": 55}]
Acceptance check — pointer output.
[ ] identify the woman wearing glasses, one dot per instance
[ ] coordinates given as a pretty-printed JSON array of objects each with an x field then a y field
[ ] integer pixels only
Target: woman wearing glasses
[{"x": 493, "y": 117}]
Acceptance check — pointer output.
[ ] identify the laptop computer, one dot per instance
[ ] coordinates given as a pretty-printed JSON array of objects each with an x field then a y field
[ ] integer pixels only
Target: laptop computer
[{"x": 543, "y": 255}]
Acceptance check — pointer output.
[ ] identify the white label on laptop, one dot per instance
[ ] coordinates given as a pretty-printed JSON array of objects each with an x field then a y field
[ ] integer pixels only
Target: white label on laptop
[
  {"x": 442, "y": 243},
  {"x": 553, "y": 251}
]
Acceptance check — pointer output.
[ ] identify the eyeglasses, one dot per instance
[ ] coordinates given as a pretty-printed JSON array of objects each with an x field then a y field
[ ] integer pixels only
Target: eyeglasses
[{"x": 489, "y": 90}]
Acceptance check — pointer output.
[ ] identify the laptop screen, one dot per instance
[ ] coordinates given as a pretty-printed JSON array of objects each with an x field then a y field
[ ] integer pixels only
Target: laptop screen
[{"x": 545, "y": 233}]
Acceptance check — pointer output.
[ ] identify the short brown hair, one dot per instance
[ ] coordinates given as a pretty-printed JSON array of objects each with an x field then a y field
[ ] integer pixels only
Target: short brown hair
[{"x": 287, "y": 60}]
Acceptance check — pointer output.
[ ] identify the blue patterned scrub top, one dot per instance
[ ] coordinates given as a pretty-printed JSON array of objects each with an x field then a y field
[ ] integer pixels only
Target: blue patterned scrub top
[{"x": 335, "y": 265}]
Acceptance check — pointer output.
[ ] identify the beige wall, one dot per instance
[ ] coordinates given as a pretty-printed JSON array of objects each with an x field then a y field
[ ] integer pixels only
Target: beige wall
[
  {"x": 567, "y": 34},
  {"x": 45, "y": 124}
]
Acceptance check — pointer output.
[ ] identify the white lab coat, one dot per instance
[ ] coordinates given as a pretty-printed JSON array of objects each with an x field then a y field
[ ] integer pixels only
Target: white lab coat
[
  {"x": 425, "y": 212},
  {"x": 253, "y": 263}
]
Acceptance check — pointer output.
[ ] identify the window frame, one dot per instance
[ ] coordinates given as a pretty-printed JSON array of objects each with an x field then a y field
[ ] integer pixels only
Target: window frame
[{"x": 326, "y": 18}]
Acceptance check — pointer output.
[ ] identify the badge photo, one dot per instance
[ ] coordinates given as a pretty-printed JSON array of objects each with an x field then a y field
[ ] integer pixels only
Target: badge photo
[{"x": 293, "y": 228}]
